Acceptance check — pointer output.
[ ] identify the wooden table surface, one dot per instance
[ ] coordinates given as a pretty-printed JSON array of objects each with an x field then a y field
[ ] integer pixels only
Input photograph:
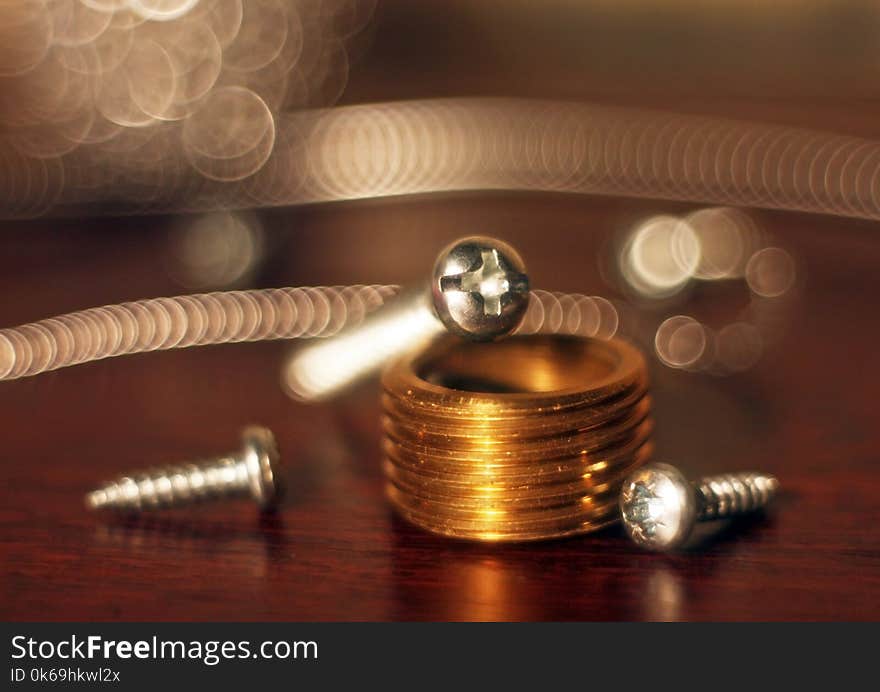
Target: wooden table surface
[{"x": 807, "y": 413}]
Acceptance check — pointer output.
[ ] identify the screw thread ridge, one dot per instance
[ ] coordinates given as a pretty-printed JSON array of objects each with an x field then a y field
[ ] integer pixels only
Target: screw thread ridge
[
  {"x": 174, "y": 485},
  {"x": 734, "y": 493}
]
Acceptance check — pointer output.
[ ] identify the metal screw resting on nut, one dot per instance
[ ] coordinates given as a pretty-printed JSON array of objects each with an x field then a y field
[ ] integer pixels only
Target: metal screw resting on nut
[
  {"x": 250, "y": 472},
  {"x": 479, "y": 290},
  {"x": 659, "y": 507}
]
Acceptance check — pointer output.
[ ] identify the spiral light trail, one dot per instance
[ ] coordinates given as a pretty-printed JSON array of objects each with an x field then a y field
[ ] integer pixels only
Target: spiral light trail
[
  {"x": 148, "y": 106},
  {"x": 413, "y": 147},
  {"x": 160, "y": 324},
  {"x": 428, "y": 146},
  {"x": 193, "y": 320}
]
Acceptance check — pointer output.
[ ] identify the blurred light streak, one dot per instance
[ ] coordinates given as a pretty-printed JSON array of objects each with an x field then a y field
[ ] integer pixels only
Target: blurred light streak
[
  {"x": 465, "y": 144},
  {"x": 661, "y": 255},
  {"x": 215, "y": 250},
  {"x": 681, "y": 342},
  {"x": 317, "y": 372},
  {"x": 81, "y": 80},
  {"x": 723, "y": 244},
  {"x": 569, "y": 313},
  {"x": 184, "y": 321},
  {"x": 256, "y": 315},
  {"x": 770, "y": 272},
  {"x": 727, "y": 237}
]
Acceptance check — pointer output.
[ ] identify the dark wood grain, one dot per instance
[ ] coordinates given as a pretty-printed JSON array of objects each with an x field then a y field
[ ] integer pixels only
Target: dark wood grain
[
  {"x": 808, "y": 413},
  {"x": 334, "y": 552}
]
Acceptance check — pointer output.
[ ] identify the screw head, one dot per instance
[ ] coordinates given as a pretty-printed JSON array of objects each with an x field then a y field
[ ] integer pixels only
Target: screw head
[
  {"x": 480, "y": 288},
  {"x": 261, "y": 459},
  {"x": 658, "y": 506}
]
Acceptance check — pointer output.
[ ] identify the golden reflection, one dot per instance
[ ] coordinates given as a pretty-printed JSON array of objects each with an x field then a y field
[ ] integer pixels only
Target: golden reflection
[
  {"x": 662, "y": 595},
  {"x": 490, "y": 587},
  {"x": 522, "y": 459}
]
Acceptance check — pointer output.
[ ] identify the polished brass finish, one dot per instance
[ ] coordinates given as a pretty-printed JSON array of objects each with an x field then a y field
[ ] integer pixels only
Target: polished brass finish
[{"x": 524, "y": 439}]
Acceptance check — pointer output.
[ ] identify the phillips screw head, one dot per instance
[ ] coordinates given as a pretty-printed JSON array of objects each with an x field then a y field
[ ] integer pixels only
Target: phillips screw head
[
  {"x": 480, "y": 288},
  {"x": 659, "y": 506}
]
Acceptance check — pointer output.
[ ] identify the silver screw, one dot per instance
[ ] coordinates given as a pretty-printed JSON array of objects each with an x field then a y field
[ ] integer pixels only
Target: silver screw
[
  {"x": 480, "y": 288},
  {"x": 248, "y": 472},
  {"x": 659, "y": 506}
]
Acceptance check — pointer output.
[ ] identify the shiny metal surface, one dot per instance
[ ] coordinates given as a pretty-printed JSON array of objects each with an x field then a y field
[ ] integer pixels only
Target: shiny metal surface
[
  {"x": 250, "y": 472},
  {"x": 479, "y": 290},
  {"x": 659, "y": 507},
  {"x": 518, "y": 440}
]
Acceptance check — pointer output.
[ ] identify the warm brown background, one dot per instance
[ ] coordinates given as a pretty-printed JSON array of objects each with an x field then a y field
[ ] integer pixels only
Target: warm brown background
[{"x": 808, "y": 413}]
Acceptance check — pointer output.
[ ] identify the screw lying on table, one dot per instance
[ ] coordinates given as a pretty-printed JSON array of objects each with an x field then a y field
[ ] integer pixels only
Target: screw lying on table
[
  {"x": 659, "y": 506},
  {"x": 478, "y": 289},
  {"x": 250, "y": 472}
]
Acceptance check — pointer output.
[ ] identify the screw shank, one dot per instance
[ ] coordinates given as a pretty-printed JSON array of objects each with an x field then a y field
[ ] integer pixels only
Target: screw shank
[
  {"x": 318, "y": 371},
  {"x": 173, "y": 486},
  {"x": 732, "y": 494}
]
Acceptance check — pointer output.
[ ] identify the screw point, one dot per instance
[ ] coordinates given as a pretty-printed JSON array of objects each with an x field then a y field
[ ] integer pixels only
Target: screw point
[{"x": 251, "y": 472}]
